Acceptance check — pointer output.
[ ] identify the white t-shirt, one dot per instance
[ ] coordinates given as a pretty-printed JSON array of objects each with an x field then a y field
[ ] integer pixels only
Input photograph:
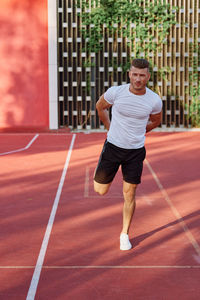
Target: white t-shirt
[{"x": 130, "y": 114}]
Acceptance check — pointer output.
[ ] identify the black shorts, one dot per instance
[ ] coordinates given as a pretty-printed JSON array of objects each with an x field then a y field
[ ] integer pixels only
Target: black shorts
[{"x": 131, "y": 161}]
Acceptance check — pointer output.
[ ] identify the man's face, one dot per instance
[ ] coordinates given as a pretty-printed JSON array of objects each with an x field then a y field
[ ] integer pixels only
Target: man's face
[{"x": 138, "y": 78}]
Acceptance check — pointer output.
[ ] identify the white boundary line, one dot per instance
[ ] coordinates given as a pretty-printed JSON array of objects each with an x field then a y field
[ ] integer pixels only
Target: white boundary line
[
  {"x": 105, "y": 267},
  {"x": 174, "y": 210},
  {"x": 87, "y": 178},
  {"x": 39, "y": 264},
  {"x": 21, "y": 149},
  {"x": 41, "y": 133}
]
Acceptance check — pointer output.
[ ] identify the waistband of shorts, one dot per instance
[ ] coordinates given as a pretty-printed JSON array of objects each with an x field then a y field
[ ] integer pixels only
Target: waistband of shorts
[{"x": 116, "y": 147}]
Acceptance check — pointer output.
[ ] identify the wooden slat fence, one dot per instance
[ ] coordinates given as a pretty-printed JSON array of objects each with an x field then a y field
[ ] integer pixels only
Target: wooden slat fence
[{"x": 81, "y": 83}]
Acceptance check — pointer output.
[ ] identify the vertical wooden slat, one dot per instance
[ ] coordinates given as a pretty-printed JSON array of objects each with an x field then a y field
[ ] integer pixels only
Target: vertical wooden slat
[
  {"x": 177, "y": 71},
  {"x": 164, "y": 85},
  {"x": 181, "y": 66},
  {"x": 64, "y": 59},
  {"x": 183, "y": 62},
  {"x": 186, "y": 50},
  {"x": 70, "y": 66}
]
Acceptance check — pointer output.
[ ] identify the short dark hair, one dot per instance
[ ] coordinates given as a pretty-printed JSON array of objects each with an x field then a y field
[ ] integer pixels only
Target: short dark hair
[{"x": 140, "y": 63}]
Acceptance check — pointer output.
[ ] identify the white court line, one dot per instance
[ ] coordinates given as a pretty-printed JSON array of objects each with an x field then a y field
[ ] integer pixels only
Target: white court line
[
  {"x": 100, "y": 197},
  {"x": 31, "y": 133},
  {"x": 38, "y": 267},
  {"x": 175, "y": 211},
  {"x": 105, "y": 267},
  {"x": 121, "y": 267},
  {"x": 21, "y": 149},
  {"x": 86, "y": 188},
  {"x": 147, "y": 200}
]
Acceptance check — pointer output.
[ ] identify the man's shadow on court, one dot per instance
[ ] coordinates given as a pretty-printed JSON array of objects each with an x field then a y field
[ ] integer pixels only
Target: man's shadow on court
[{"x": 138, "y": 239}]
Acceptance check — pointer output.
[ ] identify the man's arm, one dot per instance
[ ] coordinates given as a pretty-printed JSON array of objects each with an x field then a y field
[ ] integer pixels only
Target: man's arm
[
  {"x": 102, "y": 108},
  {"x": 154, "y": 121}
]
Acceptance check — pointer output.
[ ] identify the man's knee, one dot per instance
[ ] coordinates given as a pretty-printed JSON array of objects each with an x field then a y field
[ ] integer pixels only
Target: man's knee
[
  {"x": 129, "y": 191},
  {"x": 101, "y": 189}
]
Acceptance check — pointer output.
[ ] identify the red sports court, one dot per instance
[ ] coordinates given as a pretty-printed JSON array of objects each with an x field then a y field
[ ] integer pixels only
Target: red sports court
[{"x": 60, "y": 240}]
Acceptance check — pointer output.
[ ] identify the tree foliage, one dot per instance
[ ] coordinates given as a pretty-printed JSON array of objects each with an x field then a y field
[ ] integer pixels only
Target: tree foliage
[{"x": 144, "y": 25}]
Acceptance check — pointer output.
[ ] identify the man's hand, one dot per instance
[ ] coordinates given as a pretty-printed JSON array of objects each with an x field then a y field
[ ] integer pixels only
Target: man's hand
[
  {"x": 102, "y": 108},
  {"x": 154, "y": 121}
]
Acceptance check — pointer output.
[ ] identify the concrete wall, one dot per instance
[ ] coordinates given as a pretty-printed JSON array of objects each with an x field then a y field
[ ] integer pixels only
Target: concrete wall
[{"x": 24, "y": 101}]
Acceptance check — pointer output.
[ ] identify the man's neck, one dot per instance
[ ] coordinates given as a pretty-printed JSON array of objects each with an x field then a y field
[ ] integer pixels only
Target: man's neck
[{"x": 138, "y": 92}]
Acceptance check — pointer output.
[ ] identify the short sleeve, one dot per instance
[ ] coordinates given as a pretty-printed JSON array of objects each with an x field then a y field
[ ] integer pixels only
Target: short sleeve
[
  {"x": 157, "y": 106},
  {"x": 110, "y": 94}
]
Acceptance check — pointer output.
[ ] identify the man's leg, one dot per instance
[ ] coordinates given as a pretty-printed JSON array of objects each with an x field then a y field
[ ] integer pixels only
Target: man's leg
[
  {"x": 100, "y": 188},
  {"x": 128, "y": 211},
  {"x": 129, "y": 191},
  {"x": 107, "y": 168}
]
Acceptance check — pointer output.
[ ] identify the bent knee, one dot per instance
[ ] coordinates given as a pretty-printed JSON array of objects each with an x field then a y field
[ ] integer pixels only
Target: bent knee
[
  {"x": 101, "y": 189},
  {"x": 100, "y": 192}
]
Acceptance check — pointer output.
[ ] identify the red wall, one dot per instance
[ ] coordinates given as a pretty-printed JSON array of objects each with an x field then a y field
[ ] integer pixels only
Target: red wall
[{"x": 23, "y": 65}]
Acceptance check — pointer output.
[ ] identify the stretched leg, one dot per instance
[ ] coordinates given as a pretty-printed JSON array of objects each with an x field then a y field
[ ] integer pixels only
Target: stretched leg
[
  {"x": 129, "y": 191},
  {"x": 100, "y": 188}
]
